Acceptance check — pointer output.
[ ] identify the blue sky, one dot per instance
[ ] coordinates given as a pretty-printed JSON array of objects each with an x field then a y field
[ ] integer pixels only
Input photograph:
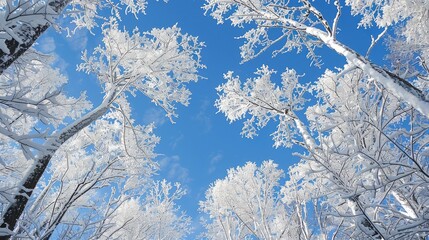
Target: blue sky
[{"x": 202, "y": 145}]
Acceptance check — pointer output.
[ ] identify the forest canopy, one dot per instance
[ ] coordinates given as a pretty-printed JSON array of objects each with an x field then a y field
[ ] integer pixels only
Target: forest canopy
[{"x": 96, "y": 142}]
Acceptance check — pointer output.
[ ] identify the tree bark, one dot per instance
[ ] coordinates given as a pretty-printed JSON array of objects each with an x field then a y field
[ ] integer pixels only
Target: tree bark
[{"x": 29, "y": 35}]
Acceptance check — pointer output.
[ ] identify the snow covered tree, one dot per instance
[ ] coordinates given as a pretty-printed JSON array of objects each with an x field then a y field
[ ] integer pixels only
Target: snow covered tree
[
  {"x": 32, "y": 108},
  {"x": 39, "y": 119},
  {"x": 156, "y": 217},
  {"x": 95, "y": 159},
  {"x": 247, "y": 204},
  {"x": 366, "y": 152},
  {"x": 98, "y": 187},
  {"x": 295, "y": 25}
]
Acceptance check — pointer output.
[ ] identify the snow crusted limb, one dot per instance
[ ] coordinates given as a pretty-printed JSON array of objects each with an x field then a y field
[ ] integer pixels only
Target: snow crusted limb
[
  {"x": 15, "y": 208},
  {"x": 309, "y": 141},
  {"x": 393, "y": 83},
  {"x": 265, "y": 14},
  {"x": 390, "y": 81}
]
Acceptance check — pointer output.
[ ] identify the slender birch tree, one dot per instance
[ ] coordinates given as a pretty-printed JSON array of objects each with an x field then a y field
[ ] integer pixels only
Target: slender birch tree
[
  {"x": 282, "y": 26},
  {"x": 157, "y": 64}
]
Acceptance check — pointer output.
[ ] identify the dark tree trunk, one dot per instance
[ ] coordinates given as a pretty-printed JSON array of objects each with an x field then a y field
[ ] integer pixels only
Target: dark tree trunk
[
  {"x": 14, "y": 211},
  {"x": 29, "y": 35}
]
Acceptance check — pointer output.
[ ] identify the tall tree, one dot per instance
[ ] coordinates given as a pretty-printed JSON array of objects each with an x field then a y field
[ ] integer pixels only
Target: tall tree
[
  {"x": 108, "y": 154},
  {"x": 288, "y": 25},
  {"x": 158, "y": 64},
  {"x": 366, "y": 152},
  {"x": 99, "y": 186}
]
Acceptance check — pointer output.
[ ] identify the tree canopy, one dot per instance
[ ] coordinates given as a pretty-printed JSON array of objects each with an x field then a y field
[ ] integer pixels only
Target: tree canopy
[{"x": 73, "y": 167}]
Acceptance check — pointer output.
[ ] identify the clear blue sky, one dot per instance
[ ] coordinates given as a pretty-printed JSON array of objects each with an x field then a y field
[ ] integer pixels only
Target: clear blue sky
[{"x": 202, "y": 145}]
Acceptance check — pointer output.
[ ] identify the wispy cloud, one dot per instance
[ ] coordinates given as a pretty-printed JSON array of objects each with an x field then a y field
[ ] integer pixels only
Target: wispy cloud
[
  {"x": 214, "y": 160},
  {"x": 79, "y": 40},
  {"x": 176, "y": 141},
  {"x": 203, "y": 115},
  {"x": 174, "y": 170},
  {"x": 154, "y": 115},
  {"x": 62, "y": 64},
  {"x": 47, "y": 45}
]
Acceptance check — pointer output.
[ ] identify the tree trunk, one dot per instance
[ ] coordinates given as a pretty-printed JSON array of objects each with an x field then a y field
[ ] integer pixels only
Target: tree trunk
[
  {"x": 393, "y": 83},
  {"x": 29, "y": 35},
  {"x": 16, "y": 208}
]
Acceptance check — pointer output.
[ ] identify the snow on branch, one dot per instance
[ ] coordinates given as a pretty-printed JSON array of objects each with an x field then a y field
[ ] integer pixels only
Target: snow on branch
[
  {"x": 158, "y": 63},
  {"x": 263, "y": 101}
]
